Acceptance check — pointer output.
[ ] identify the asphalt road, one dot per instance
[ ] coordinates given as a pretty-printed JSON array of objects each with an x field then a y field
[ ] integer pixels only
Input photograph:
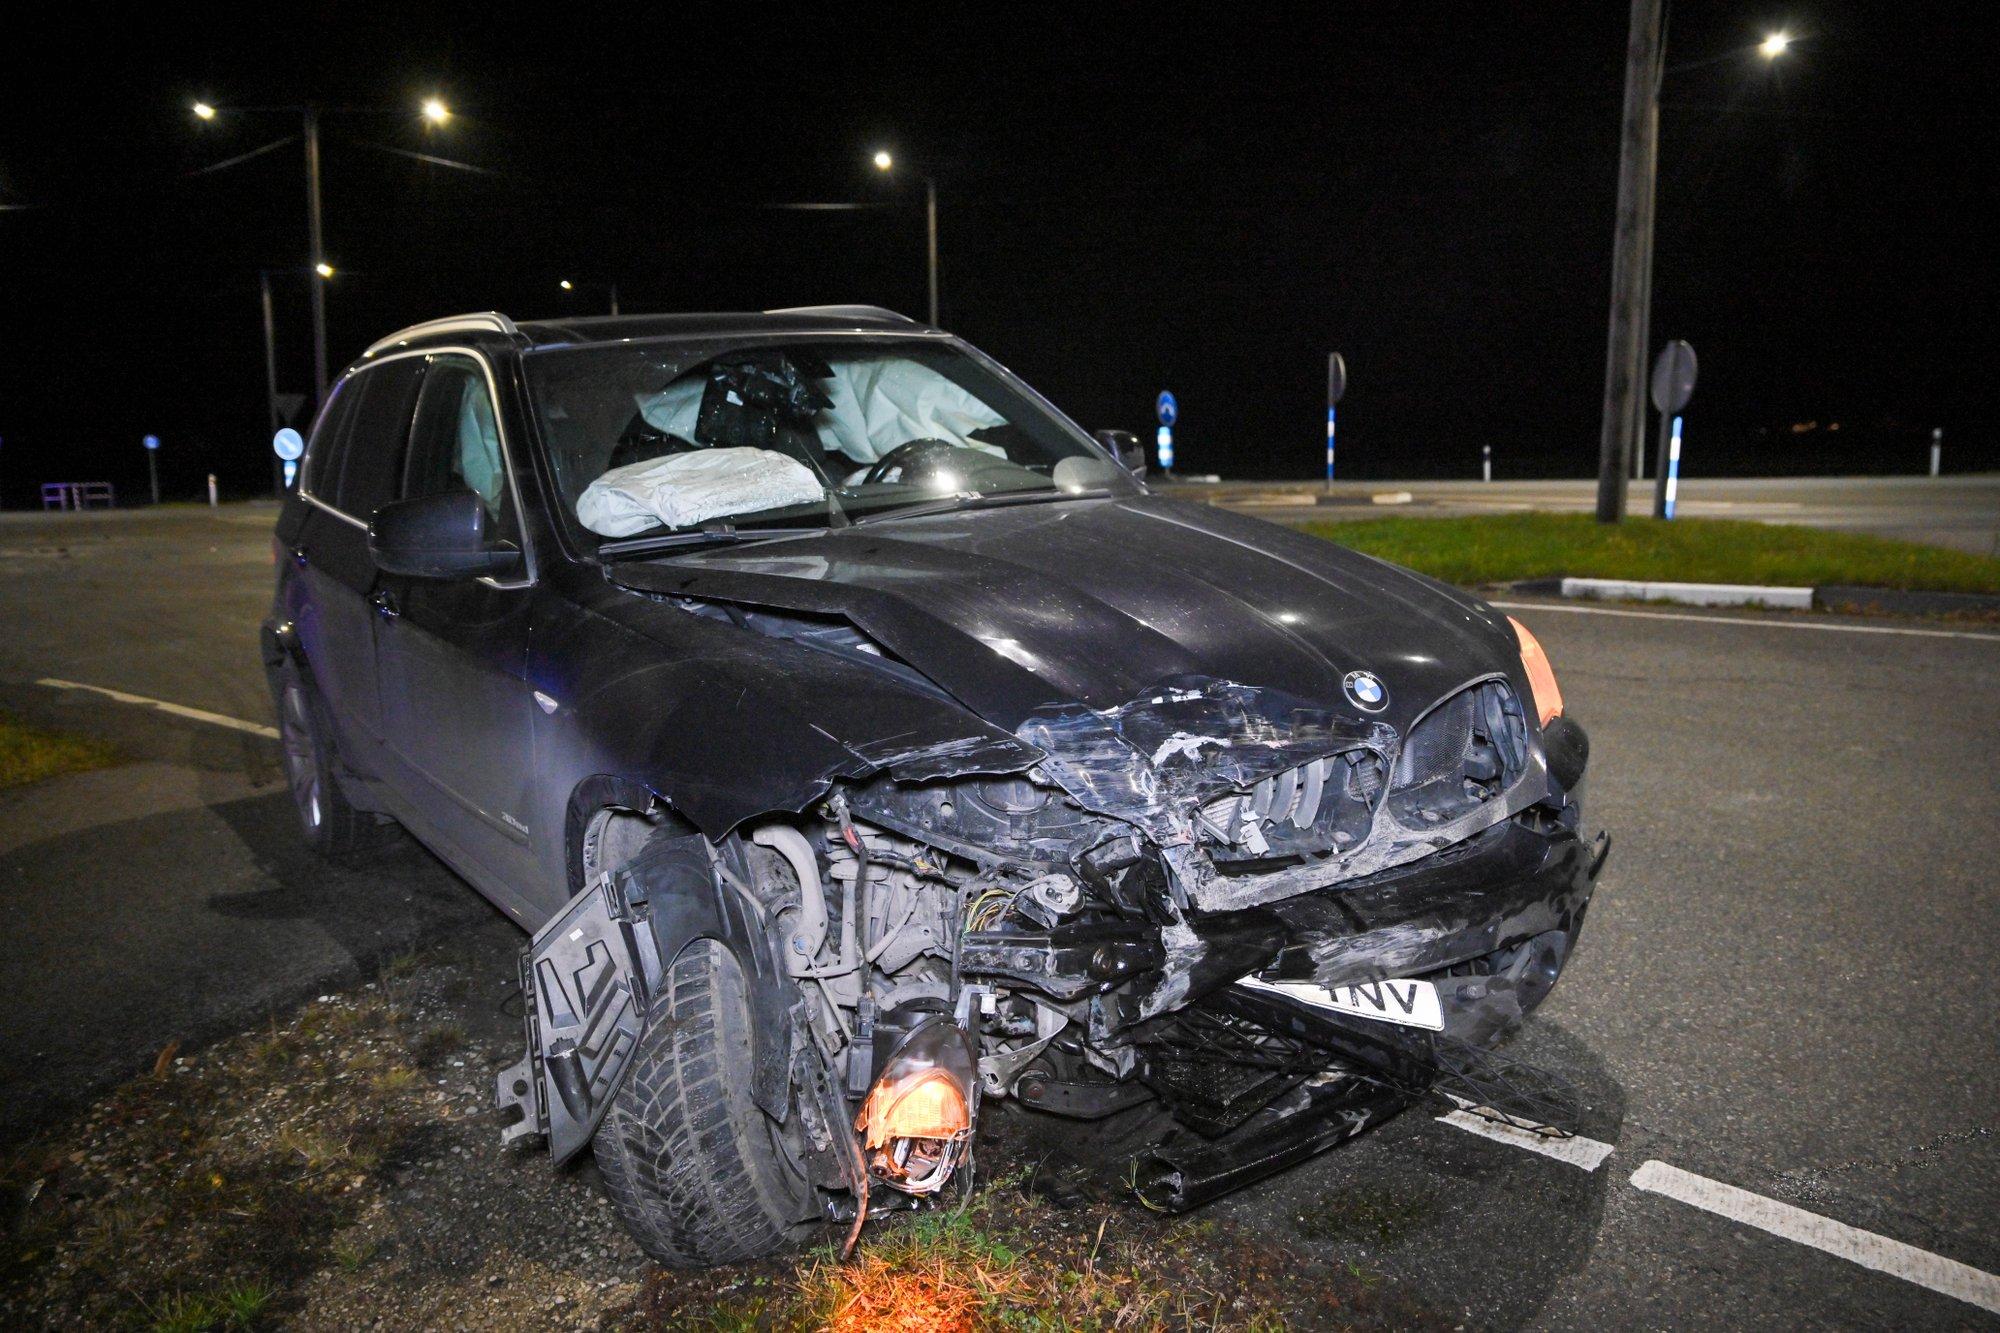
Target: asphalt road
[
  {"x": 1961, "y": 512},
  {"x": 1781, "y": 986}
]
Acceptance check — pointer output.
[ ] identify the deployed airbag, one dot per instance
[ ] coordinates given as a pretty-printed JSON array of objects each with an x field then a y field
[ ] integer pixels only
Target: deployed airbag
[
  {"x": 682, "y": 490},
  {"x": 881, "y": 402}
]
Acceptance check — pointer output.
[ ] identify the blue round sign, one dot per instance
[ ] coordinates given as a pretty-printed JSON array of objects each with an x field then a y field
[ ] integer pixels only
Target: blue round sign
[
  {"x": 1168, "y": 407},
  {"x": 151, "y": 441}
]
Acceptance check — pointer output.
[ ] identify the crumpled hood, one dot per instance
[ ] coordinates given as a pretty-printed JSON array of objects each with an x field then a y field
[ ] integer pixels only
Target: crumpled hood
[{"x": 1043, "y": 609}]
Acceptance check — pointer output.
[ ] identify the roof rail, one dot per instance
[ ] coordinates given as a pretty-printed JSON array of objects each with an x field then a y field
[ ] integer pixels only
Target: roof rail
[
  {"x": 489, "y": 321},
  {"x": 848, "y": 311}
]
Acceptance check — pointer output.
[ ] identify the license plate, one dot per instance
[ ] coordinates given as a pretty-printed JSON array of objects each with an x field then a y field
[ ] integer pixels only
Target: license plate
[{"x": 1410, "y": 1004}]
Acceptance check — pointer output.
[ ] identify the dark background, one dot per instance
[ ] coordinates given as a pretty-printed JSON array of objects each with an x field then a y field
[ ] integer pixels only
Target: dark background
[{"x": 1132, "y": 199}]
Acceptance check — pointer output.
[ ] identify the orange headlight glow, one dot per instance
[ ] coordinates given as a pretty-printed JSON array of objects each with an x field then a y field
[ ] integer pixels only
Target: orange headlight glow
[
  {"x": 1541, "y": 676},
  {"x": 926, "y": 1106}
]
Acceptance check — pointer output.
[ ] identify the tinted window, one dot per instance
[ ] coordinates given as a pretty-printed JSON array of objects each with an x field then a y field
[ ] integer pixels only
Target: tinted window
[
  {"x": 379, "y": 436},
  {"x": 455, "y": 444},
  {"x": 322, "y": 466}
]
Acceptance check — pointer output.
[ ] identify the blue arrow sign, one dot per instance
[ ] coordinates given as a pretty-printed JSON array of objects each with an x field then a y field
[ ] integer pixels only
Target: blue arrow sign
[{"x": 1168, "y": 407}]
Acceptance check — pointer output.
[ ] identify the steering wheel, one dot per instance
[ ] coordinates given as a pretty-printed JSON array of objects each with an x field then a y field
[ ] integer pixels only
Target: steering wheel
[{"x": 924, "y": 456}]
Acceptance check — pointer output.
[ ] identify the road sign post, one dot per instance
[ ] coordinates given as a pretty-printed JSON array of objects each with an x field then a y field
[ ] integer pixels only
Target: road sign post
[
  {"x": 1168, "y": 408},
  {"x": 1336, "y": 386},
  {"x": 152, "y": 444},
  {"x": 1673, "y": 385}
]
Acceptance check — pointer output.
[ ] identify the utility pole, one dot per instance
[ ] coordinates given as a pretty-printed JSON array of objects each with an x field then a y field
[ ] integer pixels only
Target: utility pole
[
  {"x": 1631, "y": 269},
  {"x": 317, "y": 277},
  {"x": 930, "y": 221}
]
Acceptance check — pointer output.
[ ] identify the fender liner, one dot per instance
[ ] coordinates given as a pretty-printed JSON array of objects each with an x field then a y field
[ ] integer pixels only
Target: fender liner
[{"x": 589, "y": 976}]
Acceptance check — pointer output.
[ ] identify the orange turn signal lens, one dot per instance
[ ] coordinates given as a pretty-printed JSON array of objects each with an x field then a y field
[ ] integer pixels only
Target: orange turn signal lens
[{"x": 1541, "y": 676}]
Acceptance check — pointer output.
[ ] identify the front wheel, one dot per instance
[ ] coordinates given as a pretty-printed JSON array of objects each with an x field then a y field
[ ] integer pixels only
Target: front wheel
[{"x": 699, "y": 1174}]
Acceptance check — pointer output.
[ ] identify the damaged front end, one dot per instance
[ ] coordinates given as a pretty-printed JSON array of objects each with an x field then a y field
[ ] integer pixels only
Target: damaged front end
[{"x": 1278, "y": 920}]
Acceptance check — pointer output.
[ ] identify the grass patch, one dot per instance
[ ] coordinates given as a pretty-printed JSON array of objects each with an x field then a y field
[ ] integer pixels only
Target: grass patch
[
  {"x": 1501, "y": 548},
  {"x": 1011, "y": 1260},
  {"x": 30, "y": 754}
]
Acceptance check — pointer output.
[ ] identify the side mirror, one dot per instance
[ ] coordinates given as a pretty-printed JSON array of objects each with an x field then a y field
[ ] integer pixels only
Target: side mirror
[
  {"x": 1124, "y": 446},
  {"x": 437, "y": 537}
]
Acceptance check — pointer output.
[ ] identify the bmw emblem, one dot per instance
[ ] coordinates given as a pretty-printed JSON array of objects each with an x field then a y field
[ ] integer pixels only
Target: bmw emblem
[{"x": 1367, "y": 691}]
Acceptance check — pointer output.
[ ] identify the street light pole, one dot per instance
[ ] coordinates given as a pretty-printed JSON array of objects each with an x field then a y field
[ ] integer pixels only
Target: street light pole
[
  {"x": 1631, "y": 276},
  {"x": 930, "y": 221},
  {"x": 317, "y": 275},
  {"x": 271, "y": 374}
]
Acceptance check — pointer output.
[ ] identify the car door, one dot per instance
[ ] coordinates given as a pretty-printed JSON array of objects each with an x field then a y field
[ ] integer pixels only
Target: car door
[
  {"x": 361, "y": 433},
  {"x": 451, "y": 654}
]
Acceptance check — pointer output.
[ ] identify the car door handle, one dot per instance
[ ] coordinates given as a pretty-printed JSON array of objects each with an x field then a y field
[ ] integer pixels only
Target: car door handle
[{"x": 384, "y": 603}]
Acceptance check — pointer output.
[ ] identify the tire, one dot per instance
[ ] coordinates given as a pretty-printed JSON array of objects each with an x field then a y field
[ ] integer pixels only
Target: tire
[
  {"x": 330, "y": 825},
  {"x": 699, "y": 1174}
]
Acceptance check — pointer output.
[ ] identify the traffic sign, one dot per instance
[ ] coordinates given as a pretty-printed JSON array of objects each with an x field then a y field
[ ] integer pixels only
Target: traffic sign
[
  {"x": 1168, "y": 407},
  {"x": 1673, "y": 377},
  {"x": 151, "y": 441},
  {"x": 1336, "y": 377}
]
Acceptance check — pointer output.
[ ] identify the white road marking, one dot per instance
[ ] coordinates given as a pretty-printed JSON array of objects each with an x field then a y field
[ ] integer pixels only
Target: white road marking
[
  {"x": 1577, "y": 1151},
  {"x": 1746, "y": 620},
  {"x": 1954, "y": 1279},
  {"x": 178, "y": 710}
]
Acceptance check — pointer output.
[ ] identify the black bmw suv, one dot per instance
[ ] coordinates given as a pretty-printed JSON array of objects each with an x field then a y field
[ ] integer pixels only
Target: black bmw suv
[{"x": 861, "y": 742}]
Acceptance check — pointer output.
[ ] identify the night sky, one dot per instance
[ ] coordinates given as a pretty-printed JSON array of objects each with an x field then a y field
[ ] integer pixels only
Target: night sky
[{"x": 1128, "y": 201}]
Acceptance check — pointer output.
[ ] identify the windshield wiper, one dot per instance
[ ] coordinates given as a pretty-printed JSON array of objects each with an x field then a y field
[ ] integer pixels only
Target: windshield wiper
[
  {"x": 978, "y": 500},
  {"x": 708, "y": 534}
]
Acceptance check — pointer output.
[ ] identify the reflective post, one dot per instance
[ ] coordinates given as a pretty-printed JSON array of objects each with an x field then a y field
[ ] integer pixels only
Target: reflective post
[
  {"x": 1937, "y": 448},
  {"x": 1672, "y": 471},
  {"x": 1486, "y": 462},
  {"x": 1329, "y": 448}
]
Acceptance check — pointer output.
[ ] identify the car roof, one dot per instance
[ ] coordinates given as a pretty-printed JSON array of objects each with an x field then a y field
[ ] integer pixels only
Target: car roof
[{"x": 536, "y": 333}]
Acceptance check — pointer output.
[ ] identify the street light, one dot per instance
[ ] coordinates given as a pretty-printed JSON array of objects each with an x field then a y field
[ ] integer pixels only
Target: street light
[
  {"x": 610, "y": 289},
  {"x": 885, "y": 162},
  {"x": 434, "y": 110},
  {"x": 1621, "y": 442}
]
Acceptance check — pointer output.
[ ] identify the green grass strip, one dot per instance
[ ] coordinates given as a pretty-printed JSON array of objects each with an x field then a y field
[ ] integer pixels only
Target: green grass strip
[{"x": 1502, "y": 548}]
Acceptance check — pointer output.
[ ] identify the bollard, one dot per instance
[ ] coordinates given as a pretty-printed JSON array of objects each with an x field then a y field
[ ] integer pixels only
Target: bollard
[
  {"x": 1937, "y": 448},
  {"x": 1486, "y": 462},
  {"x": 211, "y": 490}
]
